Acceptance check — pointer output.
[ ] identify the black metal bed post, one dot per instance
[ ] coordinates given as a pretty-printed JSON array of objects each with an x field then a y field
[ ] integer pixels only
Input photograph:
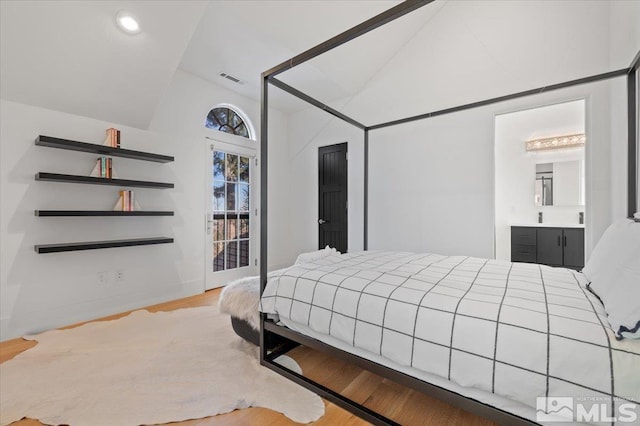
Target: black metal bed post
[
  {"x": 366, "y": 191},
  {"x": 537, "y": 91},
  {"x": 385, "y": 17},
  {"x": 264, "y": 145},
  {"x": 632, "y": 136},
  {"x": 304, "y": 97}
]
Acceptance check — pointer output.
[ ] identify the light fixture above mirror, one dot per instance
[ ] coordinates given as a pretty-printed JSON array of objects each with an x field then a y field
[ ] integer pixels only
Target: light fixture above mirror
[{"x": 557, "y": 142}]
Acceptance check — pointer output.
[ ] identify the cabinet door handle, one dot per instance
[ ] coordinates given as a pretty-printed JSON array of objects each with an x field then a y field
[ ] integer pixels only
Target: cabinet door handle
[
  {"x": 559, "y": 243},
  {"x": 564, "y": 239}
]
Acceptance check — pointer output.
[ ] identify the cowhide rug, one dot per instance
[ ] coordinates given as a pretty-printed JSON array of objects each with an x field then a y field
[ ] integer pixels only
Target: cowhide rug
[{"x": 146, "y": 368}]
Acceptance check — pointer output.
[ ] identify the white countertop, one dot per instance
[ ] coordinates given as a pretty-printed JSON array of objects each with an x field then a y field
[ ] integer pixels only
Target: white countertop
[{"x": 549, "y": 225}]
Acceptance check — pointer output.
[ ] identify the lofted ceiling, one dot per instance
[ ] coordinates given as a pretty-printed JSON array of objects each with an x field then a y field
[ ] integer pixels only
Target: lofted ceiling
[
  {"x": 467, "y": 52},
  {"x": 69, "y": 56},
  {"x": 245, "y": 38},
  {"x": 445, "y": 54}
]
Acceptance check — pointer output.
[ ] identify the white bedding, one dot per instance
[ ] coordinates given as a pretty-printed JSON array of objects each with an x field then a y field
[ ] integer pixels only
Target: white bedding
[{"x": 516, "y": 331}]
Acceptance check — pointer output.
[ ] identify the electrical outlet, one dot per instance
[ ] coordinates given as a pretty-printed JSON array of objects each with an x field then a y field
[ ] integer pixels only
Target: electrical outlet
[
  {"x": 103, "y": 278},
  {"x": 119, "y": 276}
]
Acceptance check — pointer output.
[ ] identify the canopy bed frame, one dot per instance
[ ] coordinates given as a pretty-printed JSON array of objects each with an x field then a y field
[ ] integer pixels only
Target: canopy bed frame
[{"x": 269, "y": 330}]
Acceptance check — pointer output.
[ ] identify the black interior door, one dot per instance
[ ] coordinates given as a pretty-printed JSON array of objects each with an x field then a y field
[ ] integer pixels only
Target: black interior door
[
  {"x": 549, "y": 246},
  {"x": 332, "y": 191}
]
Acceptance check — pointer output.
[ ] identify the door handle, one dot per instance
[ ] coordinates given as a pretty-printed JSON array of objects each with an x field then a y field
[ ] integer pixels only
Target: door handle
[
  {"x": 564, "y": 240},
  {"x": 208, "y": 222},
  {"x": 322, "y": 221}
]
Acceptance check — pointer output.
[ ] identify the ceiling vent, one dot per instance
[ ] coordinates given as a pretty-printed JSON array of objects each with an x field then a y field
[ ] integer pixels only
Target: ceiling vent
[{"x": 232, "y": 78}]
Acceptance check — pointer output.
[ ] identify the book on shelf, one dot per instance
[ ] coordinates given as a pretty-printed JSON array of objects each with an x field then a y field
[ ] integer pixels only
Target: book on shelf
[
  {"x": 103, "y": 168},
  {"x": 126, "y": 202},
  {"x": 113, "y": 138}
]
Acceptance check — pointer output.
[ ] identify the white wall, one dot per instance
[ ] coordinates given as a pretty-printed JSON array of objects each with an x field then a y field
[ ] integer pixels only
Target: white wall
[
  {"x": 40, "y": 292},
  {"x": 515, "y": 167},
  {"x": 451, "y": 209},
  {"x": 567, "y": 182},
  {"x": 309, "y": 129},
  {"x": 431, "y": 185},
  {"x": 182, "y": 111},
  {"x": 624, "y": 32},
  {"x": 431, "y": 181},
  {"x": 43, "y": 291}
]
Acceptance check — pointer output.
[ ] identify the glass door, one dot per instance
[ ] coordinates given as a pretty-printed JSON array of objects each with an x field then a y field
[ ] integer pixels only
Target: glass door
[{"x": 231, "y": 215}]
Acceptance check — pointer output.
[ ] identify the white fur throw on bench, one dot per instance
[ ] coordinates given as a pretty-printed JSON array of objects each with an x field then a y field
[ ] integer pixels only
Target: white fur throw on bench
[{"x": 240, "y": 298}]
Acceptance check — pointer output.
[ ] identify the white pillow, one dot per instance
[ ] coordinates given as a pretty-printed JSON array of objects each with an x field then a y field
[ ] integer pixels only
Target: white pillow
[
  {"x": 315, "y": 255},
  {"x": 614, "y": 274}
]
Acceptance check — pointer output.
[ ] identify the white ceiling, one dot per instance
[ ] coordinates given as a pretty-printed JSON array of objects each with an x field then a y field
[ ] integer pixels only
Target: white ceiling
[
  {"x": 69, "y": 56},
  {"x": 445, "y": 54},
  {"x": 471, "y": 51},
  {"x": 346, "y": 70},
  {"x": 245, "y": 38}
]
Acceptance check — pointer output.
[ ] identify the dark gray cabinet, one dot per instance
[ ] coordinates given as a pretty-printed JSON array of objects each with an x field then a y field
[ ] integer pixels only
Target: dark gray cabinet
[
  {"x": 573, "y": 247},
  {"x": 523, "y": 245},
  {"x": 548, "y": 246}
]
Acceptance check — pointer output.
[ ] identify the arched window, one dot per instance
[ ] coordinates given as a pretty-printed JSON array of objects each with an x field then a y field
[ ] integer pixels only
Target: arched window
[{"x": 227, "y": 120}]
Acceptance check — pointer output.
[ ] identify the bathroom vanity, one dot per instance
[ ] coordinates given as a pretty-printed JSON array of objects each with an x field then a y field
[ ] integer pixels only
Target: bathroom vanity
[{"x": 551, "y": 245}]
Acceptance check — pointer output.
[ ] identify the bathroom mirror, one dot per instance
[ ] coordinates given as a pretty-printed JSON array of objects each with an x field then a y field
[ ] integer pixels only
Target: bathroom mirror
[{"x": 559, "y": 183}]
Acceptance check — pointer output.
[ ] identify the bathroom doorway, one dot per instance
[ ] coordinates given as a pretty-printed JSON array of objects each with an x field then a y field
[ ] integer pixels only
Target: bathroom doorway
[{"x": 539, "y": 176}]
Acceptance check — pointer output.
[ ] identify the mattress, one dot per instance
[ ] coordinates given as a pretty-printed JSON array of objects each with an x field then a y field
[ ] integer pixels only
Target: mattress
[{"x": 521, "y": 337}]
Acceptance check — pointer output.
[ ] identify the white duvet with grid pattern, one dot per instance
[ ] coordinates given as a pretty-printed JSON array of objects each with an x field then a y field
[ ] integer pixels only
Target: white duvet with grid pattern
[{"x": 514, "y": 329}]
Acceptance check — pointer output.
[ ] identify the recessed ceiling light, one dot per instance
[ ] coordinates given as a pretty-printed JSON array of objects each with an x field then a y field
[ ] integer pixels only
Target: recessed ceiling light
[{"x": 127, "y": 22}]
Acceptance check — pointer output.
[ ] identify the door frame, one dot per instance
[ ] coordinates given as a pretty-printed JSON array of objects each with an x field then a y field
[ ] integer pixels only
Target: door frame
[
  {"x": 221, "y": 278},
  {"x": 588, "y": 205}
]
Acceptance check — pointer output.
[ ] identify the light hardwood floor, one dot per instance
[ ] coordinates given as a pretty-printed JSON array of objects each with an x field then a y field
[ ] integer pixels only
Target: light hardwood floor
[{"x": 399, "y": 403}]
